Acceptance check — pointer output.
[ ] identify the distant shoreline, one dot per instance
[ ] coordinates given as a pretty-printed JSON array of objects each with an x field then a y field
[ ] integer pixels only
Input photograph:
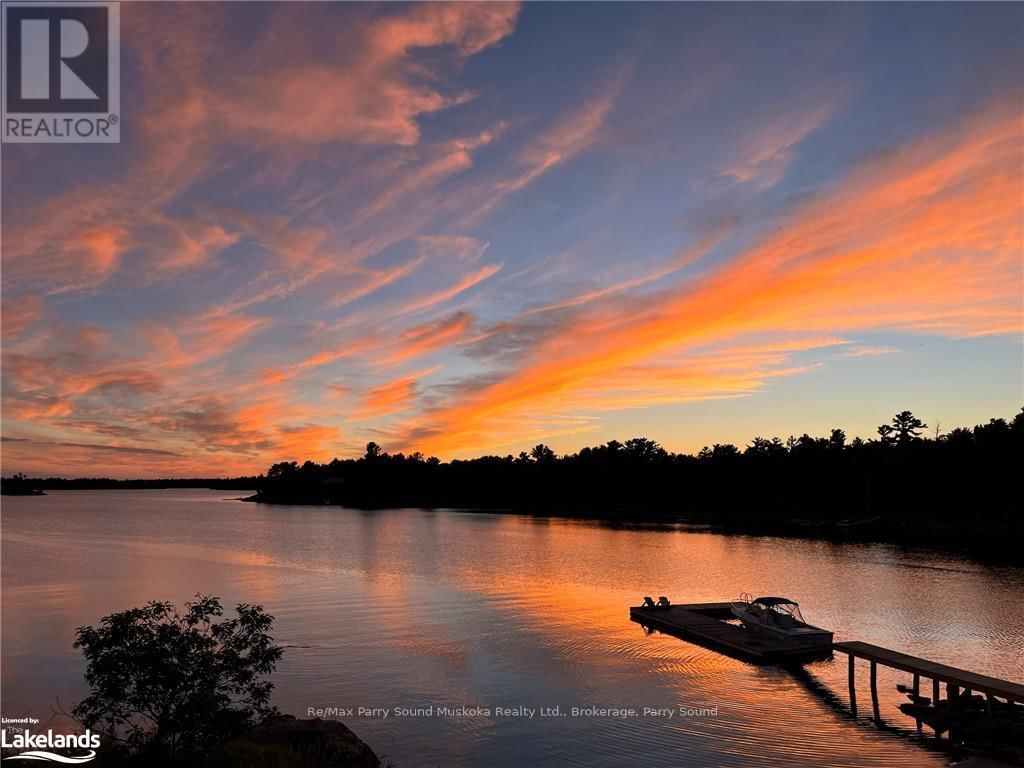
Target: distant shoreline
[
  {"x": 34, "y": 486},
  {"x": 956, "y": 490}
]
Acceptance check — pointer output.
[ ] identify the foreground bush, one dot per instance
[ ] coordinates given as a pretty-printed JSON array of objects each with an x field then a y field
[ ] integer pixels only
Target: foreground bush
[{"x": 170, "y": 687}]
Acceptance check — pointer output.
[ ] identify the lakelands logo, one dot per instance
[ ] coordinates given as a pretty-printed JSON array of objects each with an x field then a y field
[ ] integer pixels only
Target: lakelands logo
[
  {"x": 62, "y": 72},
  {"x": 37, "y": 746}
]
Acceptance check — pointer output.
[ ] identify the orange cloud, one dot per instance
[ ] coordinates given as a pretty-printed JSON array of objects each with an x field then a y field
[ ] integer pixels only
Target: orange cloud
[
  {"x": 81, "y": 246},
  {"x": 337, "y": 353},
  {"x": 426, "y": 338},
  {"x": 372, "y": 281},
  {"x": 924, "y": 240},
  {"x": 20, "y": 313},
  {"x": 315, "y": 442},
  {"x": 194, "y": 246},
  {"x": 198, "y": 339},
  {"x": 464, "y": 283},
  {"x": 197, "y": 105},
  {"x": 60, "y": 261},
  {"x": 871, "y": 351},
  {"x": 392, "y": 397},
  {"x": 376, "y": 97},
  {"x": 48, "y": 376}
]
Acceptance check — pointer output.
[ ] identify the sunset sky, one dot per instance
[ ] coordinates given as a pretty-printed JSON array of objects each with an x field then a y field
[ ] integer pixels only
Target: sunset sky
[{"x": 466, "y": 229}]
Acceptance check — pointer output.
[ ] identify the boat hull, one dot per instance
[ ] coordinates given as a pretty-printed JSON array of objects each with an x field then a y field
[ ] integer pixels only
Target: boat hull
[{"x": 799, "y": 634}]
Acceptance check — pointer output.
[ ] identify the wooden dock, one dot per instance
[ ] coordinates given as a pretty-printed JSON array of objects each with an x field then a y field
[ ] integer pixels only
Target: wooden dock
[
  {"x": 704, "y": 624},
  {"x": 959, "y": 682},
  {"x": 708, "y": 624}
]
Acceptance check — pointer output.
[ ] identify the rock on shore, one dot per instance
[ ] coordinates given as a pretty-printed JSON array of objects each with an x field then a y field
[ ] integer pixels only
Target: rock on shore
[{"x": 287, "y": 742}]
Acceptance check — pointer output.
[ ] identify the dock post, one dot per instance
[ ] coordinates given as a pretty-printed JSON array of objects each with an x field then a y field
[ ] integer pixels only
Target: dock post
[
  {"x": 952, "y": 694},
  {"x": 853, "y": 685},
  {"x": 874, "y": 689},
  {"x": 916, "y": 690}
]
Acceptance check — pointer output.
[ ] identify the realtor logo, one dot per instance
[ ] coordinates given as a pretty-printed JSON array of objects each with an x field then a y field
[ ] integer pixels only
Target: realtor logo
[{"x": 61, "y": 78}]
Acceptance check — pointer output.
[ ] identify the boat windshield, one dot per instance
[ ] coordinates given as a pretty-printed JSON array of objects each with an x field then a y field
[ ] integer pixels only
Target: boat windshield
[{"x": 779, "y": 608}]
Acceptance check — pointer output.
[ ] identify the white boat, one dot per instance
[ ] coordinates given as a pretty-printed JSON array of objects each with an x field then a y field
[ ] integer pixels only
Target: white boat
[{"x": 780, "y": 618}]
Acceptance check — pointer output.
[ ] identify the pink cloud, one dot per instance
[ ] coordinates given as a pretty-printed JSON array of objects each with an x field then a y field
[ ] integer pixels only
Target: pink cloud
[{"x": 20, "y": 313}]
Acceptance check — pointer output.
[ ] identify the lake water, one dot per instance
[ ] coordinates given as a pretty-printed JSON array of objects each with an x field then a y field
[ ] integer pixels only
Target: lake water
[{"x": 412, "y": 608}]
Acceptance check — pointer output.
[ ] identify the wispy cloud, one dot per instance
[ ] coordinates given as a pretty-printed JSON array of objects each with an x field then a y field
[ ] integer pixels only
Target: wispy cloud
[
  {"x": 870, "y": 351},
  {"x": 765, "y": 155},
  {"x": 463, "y": 284},
  {"x": 391, "y": 397},
  {"x": 426, "y": 338},
  {"x": 841, "y": 262}
]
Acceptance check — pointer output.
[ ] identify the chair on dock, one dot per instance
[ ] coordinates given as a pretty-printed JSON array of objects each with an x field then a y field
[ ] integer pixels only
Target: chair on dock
[
  {"x": 649, "y": 602},
  {"x": 663, "y": 602}
]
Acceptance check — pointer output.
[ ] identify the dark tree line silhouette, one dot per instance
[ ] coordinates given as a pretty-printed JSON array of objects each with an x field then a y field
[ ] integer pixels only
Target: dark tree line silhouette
[
  {"x": 905, "y": 480},
  {"x": 902, "y": 478}
]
